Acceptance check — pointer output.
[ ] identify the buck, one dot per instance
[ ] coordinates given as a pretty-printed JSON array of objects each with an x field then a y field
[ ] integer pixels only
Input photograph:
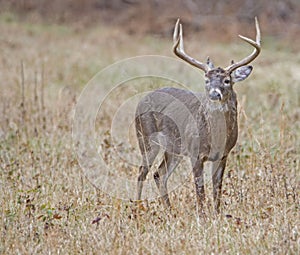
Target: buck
[{"x": 202, "y": 126}]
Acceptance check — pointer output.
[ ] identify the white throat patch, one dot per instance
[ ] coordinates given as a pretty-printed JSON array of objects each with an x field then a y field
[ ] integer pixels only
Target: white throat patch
[{"x": 217, "y": 106}]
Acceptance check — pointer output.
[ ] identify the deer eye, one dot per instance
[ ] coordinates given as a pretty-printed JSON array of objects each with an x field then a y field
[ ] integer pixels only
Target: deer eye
[{"x": 227, "y": 81}]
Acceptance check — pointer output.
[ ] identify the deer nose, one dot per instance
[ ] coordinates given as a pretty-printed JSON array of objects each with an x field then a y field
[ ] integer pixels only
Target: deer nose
[{"x": 215, "y": 94}]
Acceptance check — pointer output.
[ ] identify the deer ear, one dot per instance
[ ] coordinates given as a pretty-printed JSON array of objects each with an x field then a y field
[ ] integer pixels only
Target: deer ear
[{"x": 241, "y": 73}]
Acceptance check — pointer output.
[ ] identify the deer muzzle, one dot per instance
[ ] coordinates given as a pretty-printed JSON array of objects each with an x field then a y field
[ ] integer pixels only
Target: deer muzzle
[{"x": 215, "y": 94}]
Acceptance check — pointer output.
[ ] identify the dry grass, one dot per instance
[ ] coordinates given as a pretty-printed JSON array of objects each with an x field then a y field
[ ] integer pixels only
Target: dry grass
[{"x": 48, "y": 206}]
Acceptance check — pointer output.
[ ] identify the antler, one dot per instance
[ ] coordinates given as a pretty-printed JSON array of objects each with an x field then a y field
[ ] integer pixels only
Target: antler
[
  {"x": 253, "y": 55},
  {"x": 179, "y": 51}
]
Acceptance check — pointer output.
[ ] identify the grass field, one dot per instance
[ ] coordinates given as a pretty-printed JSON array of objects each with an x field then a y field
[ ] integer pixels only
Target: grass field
[{"x": 49, "y": 207}]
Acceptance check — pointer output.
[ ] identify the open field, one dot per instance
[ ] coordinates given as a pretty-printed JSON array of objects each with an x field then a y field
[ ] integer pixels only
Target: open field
[{"x": 49, "y": 207}]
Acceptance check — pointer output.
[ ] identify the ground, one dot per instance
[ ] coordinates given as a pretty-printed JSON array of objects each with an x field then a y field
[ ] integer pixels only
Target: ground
[{"x": 49, "y": 206}]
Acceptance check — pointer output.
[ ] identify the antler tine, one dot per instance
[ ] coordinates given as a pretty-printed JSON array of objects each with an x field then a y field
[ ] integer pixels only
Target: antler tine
[
  {"x": 178, "y": 48},
  {"x": 175, "y": 34},
  {"x": 253, "y": 55}
]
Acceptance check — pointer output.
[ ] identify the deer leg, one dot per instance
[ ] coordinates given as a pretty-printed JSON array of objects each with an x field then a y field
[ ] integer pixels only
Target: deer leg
[
  {"x": 199, "y": 182},
  {"x": 148, "y": 159},
  {"x": 159, "y": 177},
  {"x": 217, "y": 183},
  {"x": 162, "y": 175},
  {"x": 143, "y": 171}
]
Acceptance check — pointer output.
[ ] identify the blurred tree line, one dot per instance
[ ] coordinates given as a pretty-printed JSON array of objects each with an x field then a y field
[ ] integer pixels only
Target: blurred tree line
[{"x": 278, "y": 17}]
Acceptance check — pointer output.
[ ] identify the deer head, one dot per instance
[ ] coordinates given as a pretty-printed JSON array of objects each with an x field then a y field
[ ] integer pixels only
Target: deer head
[{"x": 219, "y": 81}]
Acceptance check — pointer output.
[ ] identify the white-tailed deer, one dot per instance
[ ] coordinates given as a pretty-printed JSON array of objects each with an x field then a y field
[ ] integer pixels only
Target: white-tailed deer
[{"x": 200, "y": 126}]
